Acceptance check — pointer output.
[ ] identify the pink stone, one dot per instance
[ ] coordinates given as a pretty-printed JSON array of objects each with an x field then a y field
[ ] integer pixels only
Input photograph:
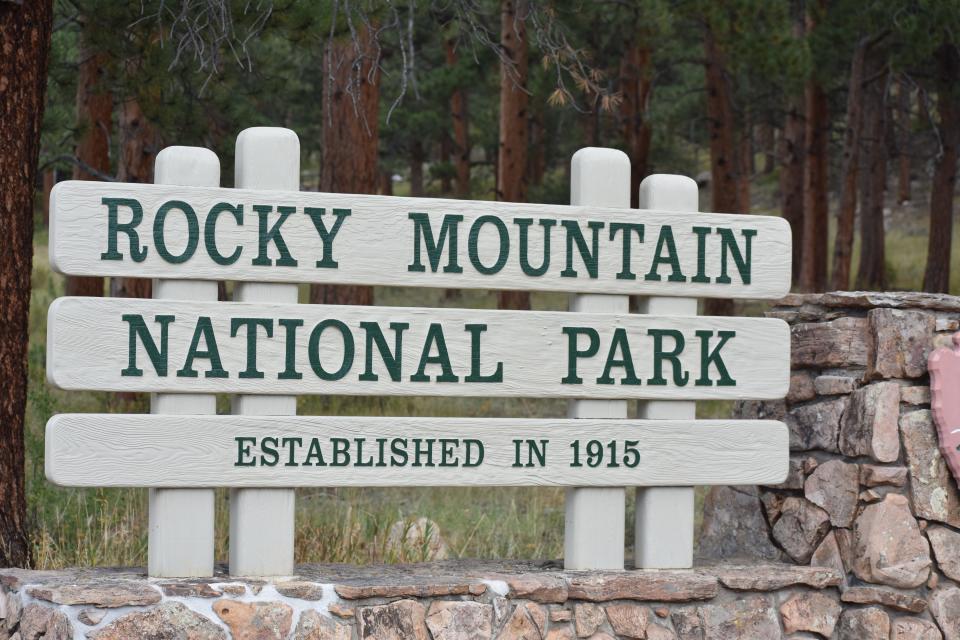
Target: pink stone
[{"x": 944, "y": 367}]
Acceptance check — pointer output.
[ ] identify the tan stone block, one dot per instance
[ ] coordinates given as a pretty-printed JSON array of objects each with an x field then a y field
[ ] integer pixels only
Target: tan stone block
[
  {"x": 915, "y": 395},
  {"x": 872, "y": 475},
  {"x": 745, "y": 619},
  {"x": 946, "y": 549},
  {"x": 888, "y": 546},
  {"x": 933, "y": 491},
  {"x": 810, "y": 611},
  {"x": 400, "y": 620},
  {"x": 887, "y": 597},
  {"x": 871, "y": 623},
  {"x": 519, "y": 626},
  {"x": 644, "y": 585},
  {"x": 300, "y": 590},
  {"x": 587, "y": 618},
  {"x": 945, "y": 607},
  {"x": 801, "y": 387},
  {"x": 629, "y": 620},
  {"x": 902, "y": 341},
  {"x": 255, "y": 620},
  {"x": 801, "y": 528},
  {"x": 460, "y": 620},
  {"x": 99, "y": 594},
  {"x": 832, "y": 385},
  {"x": 828, "y": 556},
  {"x": 914, "y": 629},
  {"x": 539, "y": 588},
  {"x": 564, "y": 632},
  {"x": 168, "y": 620},
  {"x": 39, "y": 622},
  {"x": 315, "y": 626},
  {"x": 843, "y": 342},
  {"x": 834, "y": 486},
  {"x": 816, "y": 425},
  {"x": 869, "y": 426},
  {"x": 561, "y": 615},
  {"x": 772, "y": 577}
]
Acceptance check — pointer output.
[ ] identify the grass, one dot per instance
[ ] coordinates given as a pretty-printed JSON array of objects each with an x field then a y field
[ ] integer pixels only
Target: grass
[{"x": 108, "y": 526}]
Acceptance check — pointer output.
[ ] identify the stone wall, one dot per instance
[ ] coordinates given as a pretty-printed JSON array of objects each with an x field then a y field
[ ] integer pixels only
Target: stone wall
[
  {"x": 868, "y": 493},
  {"x": 444, "y": 600},
  {"x": 861, "y": 542}
]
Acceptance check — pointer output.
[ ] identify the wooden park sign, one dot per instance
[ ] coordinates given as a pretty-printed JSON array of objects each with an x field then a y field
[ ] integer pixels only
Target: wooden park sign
[
  {"x": 161, "y": 231},
  {"x": 174, "y": 346},
  {"x": 267, "y": 349},
  {"x": 101, "y": 450}
]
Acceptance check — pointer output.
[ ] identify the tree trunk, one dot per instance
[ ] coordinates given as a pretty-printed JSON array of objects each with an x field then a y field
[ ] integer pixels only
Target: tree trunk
[
  {"x": 726, "y": 152},
  {"x": 512, "y": 164},
  {"x": 386, "y": 183},
  {"x": 590, "y": 127},
  {"x": 871, "y": 274},
  {"x": 937, "y": 275},
  {"x": 903, "y": 141},
  {"x": 446, "y": 149},
  {"x": 25, "y": 43},
  {"x": 351, "y": 100},
  {"x": 816, "y": 216},
  {"x": 850, "y": 169},
  {"x": 537, "y": 164},
  {"x": 636, "y": 85},
  {"x": 792, "y": 160},
  {"x": 94, "y": 124},
  {"x": 767, "y": 144},
  {"x": 139, "y": 145},
  {"x": 49, "y": 181},
  {"x": 417, "y": 156},
  {"x": 461, "y": 130},
  {"x": 745, "y": 148}
]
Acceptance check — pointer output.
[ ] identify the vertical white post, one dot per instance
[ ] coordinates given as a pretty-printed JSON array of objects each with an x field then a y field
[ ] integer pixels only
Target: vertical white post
[
  {"x": 594, "y": 523},
  {"x": 180, "y": 533},
  {"x": 262, "y": 520},
  {"x": 664, "y": 517}
]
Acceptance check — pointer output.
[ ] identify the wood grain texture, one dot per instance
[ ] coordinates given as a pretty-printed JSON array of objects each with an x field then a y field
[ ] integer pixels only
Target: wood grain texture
[
  {"x": 375, "y": 244},
  {"x": 664, "y": 517},
  {"x": 594, "y": 534},
  {"x": 87, "y": 348},
  {"x": 112, "y": 450},
  {"x": 180, "y": 540},
  {"x": 266, "y": 158}
]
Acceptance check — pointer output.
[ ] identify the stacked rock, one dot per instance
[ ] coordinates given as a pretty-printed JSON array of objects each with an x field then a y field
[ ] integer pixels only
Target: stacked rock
[{"x": 868, "y": 493}]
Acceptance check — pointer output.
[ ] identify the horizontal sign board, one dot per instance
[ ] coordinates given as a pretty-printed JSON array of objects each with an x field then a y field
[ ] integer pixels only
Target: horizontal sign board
[
  {"x": 162, "y": 231},
  {"x": 110, "y": 450},
  {"x": 193, "y": 347}
]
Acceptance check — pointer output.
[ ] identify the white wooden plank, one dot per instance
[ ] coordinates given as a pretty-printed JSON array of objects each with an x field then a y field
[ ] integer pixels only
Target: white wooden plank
[
  {"x": 180, "y": 539},
  {"x": 375, "y": 244},
  {"x": 594, "y": 517},
  {"x": 112, "y": 450},
  {"x": 664, "y": 516},
  {"x": 88, "y": 348},
  {"x": 266, "y": 158}
]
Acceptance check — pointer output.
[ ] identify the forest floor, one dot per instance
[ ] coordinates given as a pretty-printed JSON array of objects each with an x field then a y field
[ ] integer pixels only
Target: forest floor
[{"x": 108, "y": 527}]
